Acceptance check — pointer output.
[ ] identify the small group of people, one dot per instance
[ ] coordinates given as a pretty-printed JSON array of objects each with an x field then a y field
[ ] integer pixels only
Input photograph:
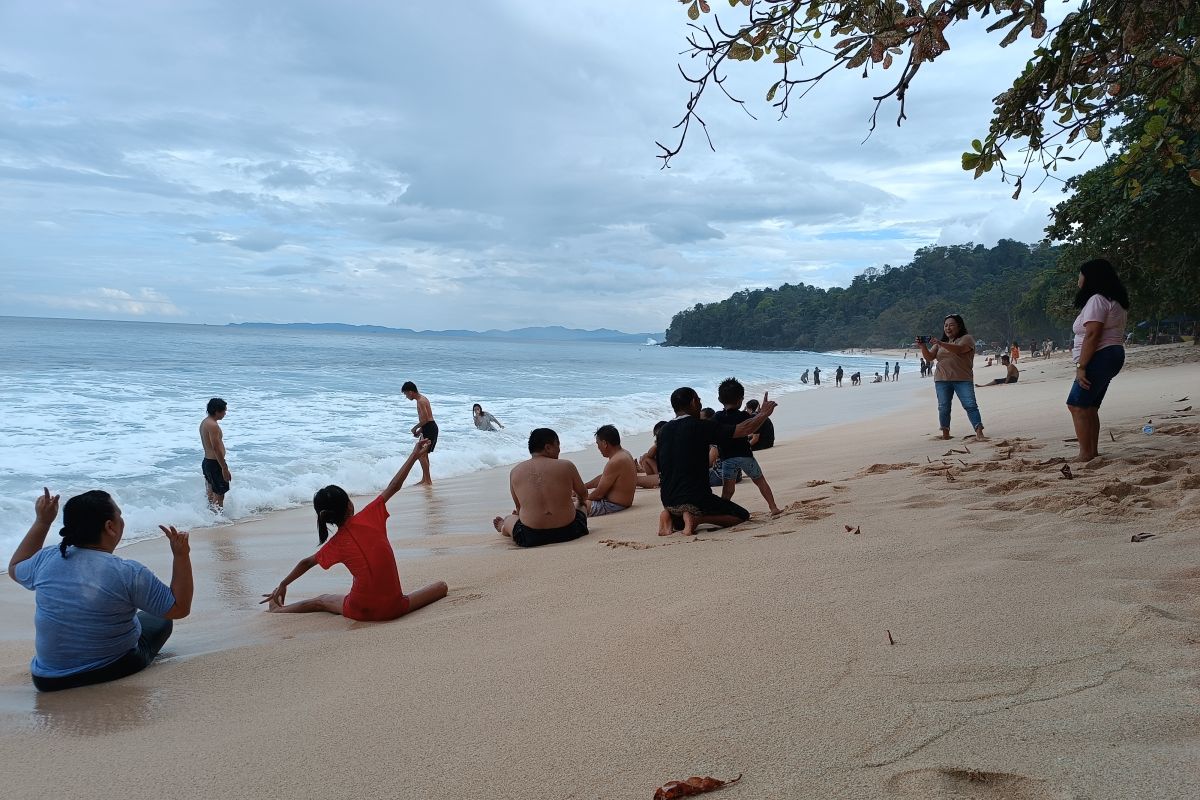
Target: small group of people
[
  {"x": 100, "y": 617},
  {"x": 1098, "y": 352}
]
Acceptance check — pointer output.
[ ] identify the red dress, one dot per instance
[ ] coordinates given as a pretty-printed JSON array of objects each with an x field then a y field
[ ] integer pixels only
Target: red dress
[{"x": 362, "y": 545}]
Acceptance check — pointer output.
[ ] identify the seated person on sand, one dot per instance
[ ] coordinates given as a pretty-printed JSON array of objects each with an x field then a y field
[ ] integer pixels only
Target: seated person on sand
[
  {"x": 1011, "y": 377},
  {"x": 99, "y": 617},
  {"x": 483, "y": 420},
  {"x": 765, "y": 438},
  {"x": 648, "y": 463},
  {"x": 877, "y": 379},
  {"x": 361, "y": 543},
  {"x": 549, "y": 497},
  {"x": 683, "y": 453},
  {"x": 613, "y": 489}
]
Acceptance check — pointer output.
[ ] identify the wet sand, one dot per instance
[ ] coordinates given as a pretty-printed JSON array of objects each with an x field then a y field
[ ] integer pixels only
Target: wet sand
[{"x": 1038, "y": 652}]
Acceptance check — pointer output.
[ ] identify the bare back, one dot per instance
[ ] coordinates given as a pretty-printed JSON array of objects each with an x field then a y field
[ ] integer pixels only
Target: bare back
[
  {"x": 424, "y": 410},
  {"x": 542, "y": 488},
  {"x": 620, "y": 475},
  {"x": 212, "y": 439}
]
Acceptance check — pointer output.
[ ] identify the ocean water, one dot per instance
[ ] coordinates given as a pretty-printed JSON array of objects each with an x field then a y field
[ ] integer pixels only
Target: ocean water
[{"x": 117, "y": 406}]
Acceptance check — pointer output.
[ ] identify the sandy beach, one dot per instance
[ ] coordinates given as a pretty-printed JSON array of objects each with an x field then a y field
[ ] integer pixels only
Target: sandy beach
[{"x": 927, "y": 619}]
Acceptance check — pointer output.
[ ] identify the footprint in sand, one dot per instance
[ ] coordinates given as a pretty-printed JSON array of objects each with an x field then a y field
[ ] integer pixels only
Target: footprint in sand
[
  {"x": 455, "y": 599},
  {"x": 930, "y": 784}
]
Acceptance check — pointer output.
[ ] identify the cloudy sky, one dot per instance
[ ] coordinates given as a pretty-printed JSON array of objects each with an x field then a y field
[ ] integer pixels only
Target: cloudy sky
[{"x": 451, "y": 165}]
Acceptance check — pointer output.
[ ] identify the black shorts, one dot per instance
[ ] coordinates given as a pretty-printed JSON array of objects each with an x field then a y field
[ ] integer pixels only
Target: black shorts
[
  {"x": 212, "y": 475},
  {"x": 707, "y": 506},
  {"x": 524, "y": 536},
  {"x": 430, "y": 431}
]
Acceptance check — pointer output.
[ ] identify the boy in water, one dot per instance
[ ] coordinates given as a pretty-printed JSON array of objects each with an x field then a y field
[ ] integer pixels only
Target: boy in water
[
  {"x": 425, "y": 428},
  {"x": 212, "y": 439},
  {"x": 736, "y": 454}
]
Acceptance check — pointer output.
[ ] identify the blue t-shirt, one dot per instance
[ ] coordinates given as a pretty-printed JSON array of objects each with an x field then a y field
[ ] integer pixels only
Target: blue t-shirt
[{"x": 87, "y": 606}]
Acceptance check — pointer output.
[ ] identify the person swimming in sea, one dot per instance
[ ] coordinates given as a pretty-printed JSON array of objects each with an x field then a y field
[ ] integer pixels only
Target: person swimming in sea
[{"x": 483, "y": 420}]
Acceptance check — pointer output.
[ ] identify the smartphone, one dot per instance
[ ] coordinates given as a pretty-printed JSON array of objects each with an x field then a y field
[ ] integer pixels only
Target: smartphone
[{"x": 923, "y": 340}]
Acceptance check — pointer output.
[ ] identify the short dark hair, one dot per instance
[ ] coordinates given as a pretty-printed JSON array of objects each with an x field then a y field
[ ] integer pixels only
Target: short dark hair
[
  {"x": 707, "y": 413},
  {"x": 658, "y": 426},
  {"x": 84, "y": 518},
  {"x": 731, "y": 391},
  {"x": 1003, "y": 359},
  {"x": 610, "y": 434},
  {"x": 216, "y": 404},
  {"x": 408, "y": 386},
  {"x": 682, "y": 398},
  {"x": 752, "y": 405},
  {"x": 539, "y": 438}
]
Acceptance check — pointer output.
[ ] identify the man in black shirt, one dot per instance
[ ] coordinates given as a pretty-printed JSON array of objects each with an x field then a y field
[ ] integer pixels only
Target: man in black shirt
[{"x": 683, "y": 445}]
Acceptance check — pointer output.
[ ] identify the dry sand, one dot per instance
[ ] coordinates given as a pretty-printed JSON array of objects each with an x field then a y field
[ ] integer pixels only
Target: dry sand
[{"x": 1039, "y": 653}]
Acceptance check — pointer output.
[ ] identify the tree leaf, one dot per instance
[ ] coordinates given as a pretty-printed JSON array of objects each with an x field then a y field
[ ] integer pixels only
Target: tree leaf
[
  {"x": 694, "y": 11},
  {"x": 1092, "y": 131},
  {"x": 772, "y": 90},
  {"x": 977, "y": 145}
]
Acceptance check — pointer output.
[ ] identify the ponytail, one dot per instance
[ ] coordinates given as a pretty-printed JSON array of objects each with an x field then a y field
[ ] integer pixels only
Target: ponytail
[
  {"x": 84, "y": 518},
  {"x": 330, "y": 504}
]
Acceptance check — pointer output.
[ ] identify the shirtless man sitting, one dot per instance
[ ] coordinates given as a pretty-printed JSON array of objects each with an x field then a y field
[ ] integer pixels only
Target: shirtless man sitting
[
  {"x": 613, "y": 489},
  {"x": 549, "y": 498}
]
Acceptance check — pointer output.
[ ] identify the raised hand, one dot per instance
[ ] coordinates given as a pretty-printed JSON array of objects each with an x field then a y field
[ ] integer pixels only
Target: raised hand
[
  {"x": 767, "y": 405},
  {"x": 45, "y": 508},
  {"x": 177, "y": 539},
  {"x": 420, "y": 447}
]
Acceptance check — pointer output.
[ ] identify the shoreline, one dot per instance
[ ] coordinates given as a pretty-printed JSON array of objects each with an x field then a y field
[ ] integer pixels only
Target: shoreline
[{"x": 1038, "y": 652}]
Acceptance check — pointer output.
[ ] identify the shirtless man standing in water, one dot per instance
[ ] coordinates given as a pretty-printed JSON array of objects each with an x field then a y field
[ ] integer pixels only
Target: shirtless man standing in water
[
  {"x": 216, "y": 471},
  {"x": 542, "y": 488},
  {"x": 425, "y": 428}
]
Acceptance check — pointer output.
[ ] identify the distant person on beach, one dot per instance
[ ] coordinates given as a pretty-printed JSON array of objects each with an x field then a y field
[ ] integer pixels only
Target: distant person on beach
[
  {"x": 425, "y": 428},
  {"x": 361, "y": 543},
  {"x": 837, "y": 377},
  {"x": 648, "y": 461},
  {"x": 856, "y": 379},
  {"x": 765, "y": 438},
  {"x": 896, "y": 371},
  {"x": 483, "y": 420},
  {"x": 684, "y": 444},
  {"x": 886, "y": 370},
  {"x": 1098, "y": 349},
  {"x": 613, "y": 489},
  {"x": 804, "y": 378},
  {"x": 549, "y": 498},
  {"x": 736, "y": 454},
  {"x": 1011, "y": 375},
  {"x": 924, "y": 368},
  {"x": 212, "y": 439},
  {"x": 816, "y": 376},
  {"x": 98, "y": 617},
  {"x": 877, "y": 379},
  {"x": 1014, "y": 352},
  {"x": 954, "y": 372}
]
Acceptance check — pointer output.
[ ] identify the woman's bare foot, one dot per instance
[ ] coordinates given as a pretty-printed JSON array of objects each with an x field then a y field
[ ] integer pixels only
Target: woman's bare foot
[
  {"x": 945, "y": 433},
  {"x": 979, "y": 437},
  {"x": 689, "y": 524},
  {"x": 775, "y": 512},
  {"x": 273, "y": 604},
  {"x": 664, "y": 523},
  {"x": 496, "y": 523}
]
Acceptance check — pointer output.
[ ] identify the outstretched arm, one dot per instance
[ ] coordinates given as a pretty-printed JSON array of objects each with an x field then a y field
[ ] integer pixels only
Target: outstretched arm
[
  {"x": 419, "y": 449},
  {"x": 280, "y": 592},
  {"x": 749, "y": 426},
  {"x": 45, "y": 510}
]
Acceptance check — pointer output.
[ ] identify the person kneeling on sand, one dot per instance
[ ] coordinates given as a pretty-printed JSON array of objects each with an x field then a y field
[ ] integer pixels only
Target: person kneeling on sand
[
  {"x": 683, "y": 451},
  {"x": 361, "y": 543},
  {"x": 613, "y": 489},
  {"x": 549, "y": 498}
]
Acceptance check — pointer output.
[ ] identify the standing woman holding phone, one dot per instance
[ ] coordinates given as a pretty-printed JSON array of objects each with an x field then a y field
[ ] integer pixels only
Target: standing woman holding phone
[
  {"x": 1098, "y": 351},
  {"x": 953, "y": 372}
]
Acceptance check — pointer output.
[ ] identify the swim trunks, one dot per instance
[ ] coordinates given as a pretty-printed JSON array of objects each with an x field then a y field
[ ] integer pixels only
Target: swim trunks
[
  {"x": 598, "y": 508},
  {"x": 430, "y": 431},
  {"x": 524, "y": 536},
  {"x": 212, "y": 475}
]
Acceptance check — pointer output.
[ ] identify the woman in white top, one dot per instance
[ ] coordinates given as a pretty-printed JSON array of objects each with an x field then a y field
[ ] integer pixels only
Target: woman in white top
[
  {"x": 1098, "y": 352},
  {"x": 483, "y": 420}
]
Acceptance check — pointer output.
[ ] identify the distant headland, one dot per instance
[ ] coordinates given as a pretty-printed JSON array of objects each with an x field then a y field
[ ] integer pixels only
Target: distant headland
[{"x": 554, "y": 333}]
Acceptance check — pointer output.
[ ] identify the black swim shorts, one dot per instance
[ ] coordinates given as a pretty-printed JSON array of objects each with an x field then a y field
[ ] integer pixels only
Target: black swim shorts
[
  {"x": 524, "y": 536},
  {"x": 707, "y": 506},
  {"x": 212, "y": 475},
  {"x": 430, "y": 431}
]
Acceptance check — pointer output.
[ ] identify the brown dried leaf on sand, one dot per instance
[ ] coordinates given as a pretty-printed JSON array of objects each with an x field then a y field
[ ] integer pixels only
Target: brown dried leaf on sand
[{"x": 691, "y": 786}]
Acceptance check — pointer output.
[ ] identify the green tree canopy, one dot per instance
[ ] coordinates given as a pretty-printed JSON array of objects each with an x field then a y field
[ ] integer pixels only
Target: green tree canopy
[{"x": 1084, "y": 70}]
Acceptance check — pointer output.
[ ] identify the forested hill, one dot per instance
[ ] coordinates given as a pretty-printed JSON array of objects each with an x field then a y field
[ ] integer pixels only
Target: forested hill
[{"x": 1003, "y": 293}]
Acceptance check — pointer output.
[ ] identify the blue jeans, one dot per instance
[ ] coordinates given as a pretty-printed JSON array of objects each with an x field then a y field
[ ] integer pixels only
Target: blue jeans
[{"x": 966, "y": 395}]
